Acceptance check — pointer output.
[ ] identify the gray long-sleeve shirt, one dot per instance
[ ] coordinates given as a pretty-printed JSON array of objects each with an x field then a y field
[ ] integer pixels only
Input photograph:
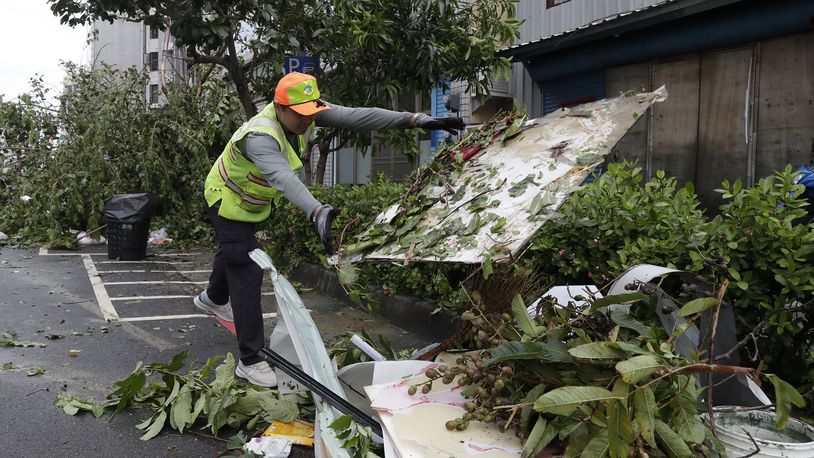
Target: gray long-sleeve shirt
[{"x": 264, "y": 151}]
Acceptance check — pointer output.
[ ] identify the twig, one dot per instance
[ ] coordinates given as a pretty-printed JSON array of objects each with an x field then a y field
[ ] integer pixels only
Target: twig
[
  {"x": 88, "y": 234},
  {"x": 757, "y": 447},
  {"x": 409, "y": 255},
  {"x": 208, "y": 436},
  {"x": 713, "y": 331},
  {"x": 761, "y": 325},
  {"x": 342, "y": 236}
]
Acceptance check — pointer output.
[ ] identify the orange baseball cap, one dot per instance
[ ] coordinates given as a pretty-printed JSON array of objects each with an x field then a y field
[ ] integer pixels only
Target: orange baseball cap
[{"x": 299, "y": 91}]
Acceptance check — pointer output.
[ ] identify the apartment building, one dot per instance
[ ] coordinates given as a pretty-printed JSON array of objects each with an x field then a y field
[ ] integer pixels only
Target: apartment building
[{"x": 124, "y": 44}]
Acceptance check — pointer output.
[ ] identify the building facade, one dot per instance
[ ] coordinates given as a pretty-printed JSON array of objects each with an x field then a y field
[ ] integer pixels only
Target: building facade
[
  {"x": 124, "y": 44},
  {"x": 740, "y": 74}
]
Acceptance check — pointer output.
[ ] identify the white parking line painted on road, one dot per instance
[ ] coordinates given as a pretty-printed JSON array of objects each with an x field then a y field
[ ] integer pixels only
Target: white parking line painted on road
[
  {"x": 150, "y": 271},
  {"x": 157, "y": 282},
  {"x": 44, "y": 252},
  {"x": 105, "y": 304},
  {"x": 182, "y": 296},
  {"x": 181, "y": 317},
  {"x": 146, "y": 262}
]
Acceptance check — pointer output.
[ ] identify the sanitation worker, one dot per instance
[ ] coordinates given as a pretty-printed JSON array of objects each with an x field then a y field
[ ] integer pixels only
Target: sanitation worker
[{"x": 257, "y": 166}]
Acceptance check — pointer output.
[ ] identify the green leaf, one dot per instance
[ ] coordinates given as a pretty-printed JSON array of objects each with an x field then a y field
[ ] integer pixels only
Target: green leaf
[
  {"x": 224, "y": 375},
  {"x": 521, "y": 314},
  {"x": 638, "y": 367},
  {"x": 625, "y": 320},
  {"x": 181, "y": 409},
  {"x": 534, "y": 438},
  {"x": 525, "y": 412},
  {"x": 340, "y": 424},
  {"x": 645, "y": 410},
  {"x": 785, "y": 395},
  {"x": 552, "y": 351},
  {"x": 156, "y": 426},
  {"x": 487, "y": 267},
  {"x": 597, "y": 350},
  {"x": 620, "y": 429},
  {"x": 671, "y": 442},
  {"x": 563, "y": 401},
  {"x": 626, "y": 298},
  {"x": 282, "y": 409},
  {"x": 685, "y": 418},
  {"x": 597, "y": 446},
  {"x": 697, "y": 306}
]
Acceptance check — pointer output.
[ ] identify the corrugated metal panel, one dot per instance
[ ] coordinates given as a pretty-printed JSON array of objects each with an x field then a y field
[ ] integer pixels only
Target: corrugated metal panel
[
  {"x": 543, "y": 22},
  {"x": 573, "y": 90}
]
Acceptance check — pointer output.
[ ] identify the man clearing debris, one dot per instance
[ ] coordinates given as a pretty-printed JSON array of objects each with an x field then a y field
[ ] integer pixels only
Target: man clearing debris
[{"x": 255, "y": 168}]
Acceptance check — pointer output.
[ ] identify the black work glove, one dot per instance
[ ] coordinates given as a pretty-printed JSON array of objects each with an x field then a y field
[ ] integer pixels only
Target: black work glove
[
  {"x": 322, "y": 220},
  {"x": 451, "y": 125}
]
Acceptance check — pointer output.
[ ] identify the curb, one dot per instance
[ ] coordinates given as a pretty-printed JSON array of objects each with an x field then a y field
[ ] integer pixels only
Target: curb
[{"x": 406, "y": 312}]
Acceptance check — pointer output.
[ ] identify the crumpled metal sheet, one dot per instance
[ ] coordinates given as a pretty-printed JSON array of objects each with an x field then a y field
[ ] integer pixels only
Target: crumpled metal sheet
[{"x": 552, "y": 156}]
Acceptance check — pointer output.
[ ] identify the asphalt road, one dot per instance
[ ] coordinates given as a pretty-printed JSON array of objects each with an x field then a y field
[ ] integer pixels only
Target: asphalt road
[{"x": 51, "y": 293}]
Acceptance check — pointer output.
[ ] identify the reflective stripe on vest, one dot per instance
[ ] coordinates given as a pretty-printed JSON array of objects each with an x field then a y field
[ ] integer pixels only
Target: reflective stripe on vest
[{"x": 237, "y": 189}]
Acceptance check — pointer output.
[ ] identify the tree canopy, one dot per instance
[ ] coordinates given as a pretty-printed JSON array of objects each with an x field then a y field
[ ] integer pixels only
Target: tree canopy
[{"x": 369, "y": 51}]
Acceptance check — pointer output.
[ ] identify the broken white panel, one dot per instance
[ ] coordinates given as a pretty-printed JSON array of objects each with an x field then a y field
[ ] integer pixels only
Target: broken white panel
[
  {"x": 548, "y": 160},
  {"x": 414, "y": 426},
  {"x": 564, "y": 294},
  {"x": 312, "y": 355}
]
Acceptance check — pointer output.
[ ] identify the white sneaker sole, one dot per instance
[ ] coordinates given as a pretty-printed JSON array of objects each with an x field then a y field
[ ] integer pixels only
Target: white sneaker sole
[
  {"x": 242, "y": 374},
  {"x": 213, "y": 311}
]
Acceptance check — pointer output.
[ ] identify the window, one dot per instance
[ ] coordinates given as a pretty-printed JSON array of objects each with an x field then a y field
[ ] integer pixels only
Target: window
[
  {"x": 153, "y": 94},
  {"x": 153, "y": 31},
  {"x": 153, "y": 61},
  {"x": 553, "y": 3}
]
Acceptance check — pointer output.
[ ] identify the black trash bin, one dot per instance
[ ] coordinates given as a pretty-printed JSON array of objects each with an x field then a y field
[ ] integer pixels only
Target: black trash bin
[{"x": 128, "y": 224}]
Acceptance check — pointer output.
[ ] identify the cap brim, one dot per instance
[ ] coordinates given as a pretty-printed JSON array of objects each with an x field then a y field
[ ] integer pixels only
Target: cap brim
[{"x": 310, "y": 108}]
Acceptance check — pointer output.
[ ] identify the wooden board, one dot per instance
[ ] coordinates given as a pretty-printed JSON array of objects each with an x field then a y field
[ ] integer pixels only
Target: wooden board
[
  {"x": 785, "y": 130},
  {"x": 674, "y": 126},
  {"x": 722, "y": 129}
]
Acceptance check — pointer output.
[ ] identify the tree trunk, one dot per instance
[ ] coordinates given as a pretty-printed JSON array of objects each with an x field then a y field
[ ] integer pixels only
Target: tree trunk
[
  {"x": 241, "y": 85},
  {"x": 305, "y": 157}
]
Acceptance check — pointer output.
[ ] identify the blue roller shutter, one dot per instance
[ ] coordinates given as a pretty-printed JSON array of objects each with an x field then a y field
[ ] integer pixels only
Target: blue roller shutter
[{"x": 573, "y": 90}]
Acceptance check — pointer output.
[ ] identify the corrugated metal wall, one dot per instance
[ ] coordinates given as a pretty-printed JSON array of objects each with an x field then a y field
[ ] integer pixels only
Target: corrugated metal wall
[{"x": 542, "y": 22}]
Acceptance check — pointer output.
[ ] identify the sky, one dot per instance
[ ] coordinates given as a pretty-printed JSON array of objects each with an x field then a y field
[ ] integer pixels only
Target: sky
[{"x": 33, "y": 43}]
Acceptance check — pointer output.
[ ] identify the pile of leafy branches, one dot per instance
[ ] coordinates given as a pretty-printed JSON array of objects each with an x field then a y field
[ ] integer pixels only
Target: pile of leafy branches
[
  {"x": 292, "y": 240},
  {"x": 197, "y": 397},
  {"x": 592, "y": 381},
  {"x": 107, "y": 142}
]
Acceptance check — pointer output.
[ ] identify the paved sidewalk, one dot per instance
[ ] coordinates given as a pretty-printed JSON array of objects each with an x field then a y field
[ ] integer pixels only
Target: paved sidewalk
[{"x": 72, "y": 294}]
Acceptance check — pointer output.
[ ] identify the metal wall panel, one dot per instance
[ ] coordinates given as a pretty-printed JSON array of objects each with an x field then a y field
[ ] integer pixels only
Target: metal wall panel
[
  {"x": 785, "y": 127},
  {"x": 674, "y": 123},
  {"x": 633, "y": 146},
  {"x": 722, "y": 142},
  {"x": 542, "y": 22}
]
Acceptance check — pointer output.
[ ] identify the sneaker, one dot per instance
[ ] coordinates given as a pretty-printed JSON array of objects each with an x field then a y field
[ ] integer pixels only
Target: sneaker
[
  {"x": 260, "y": 374},
  {"x": 224, "y": 311}
]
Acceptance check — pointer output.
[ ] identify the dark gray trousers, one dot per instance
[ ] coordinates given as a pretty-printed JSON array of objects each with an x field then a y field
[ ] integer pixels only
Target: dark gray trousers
[{"x": 235, "y": 276}]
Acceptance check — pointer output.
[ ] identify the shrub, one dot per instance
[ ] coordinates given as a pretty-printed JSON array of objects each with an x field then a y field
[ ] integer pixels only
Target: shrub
[
  {"x": 614, "y": 223},
  {"x": 109, "y": 143}
]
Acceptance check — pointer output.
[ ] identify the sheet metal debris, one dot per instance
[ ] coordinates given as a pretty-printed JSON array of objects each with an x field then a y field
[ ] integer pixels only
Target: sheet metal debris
[{"x": 492, "y": 204}]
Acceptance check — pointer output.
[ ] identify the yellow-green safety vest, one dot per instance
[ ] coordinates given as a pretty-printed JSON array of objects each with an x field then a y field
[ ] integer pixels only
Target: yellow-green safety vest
[{"x": 244, "y": 193}]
